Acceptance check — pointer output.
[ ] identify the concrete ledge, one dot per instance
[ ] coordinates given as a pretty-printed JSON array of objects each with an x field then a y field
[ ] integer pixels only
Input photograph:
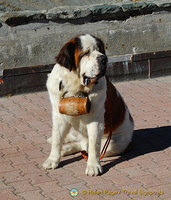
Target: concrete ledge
[
  {"x": 84, "y": 14},
  {"x": 120, "y": 68}
]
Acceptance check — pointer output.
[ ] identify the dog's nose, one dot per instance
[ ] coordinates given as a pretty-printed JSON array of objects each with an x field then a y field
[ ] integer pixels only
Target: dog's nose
[{"x": 102, "y": 60}]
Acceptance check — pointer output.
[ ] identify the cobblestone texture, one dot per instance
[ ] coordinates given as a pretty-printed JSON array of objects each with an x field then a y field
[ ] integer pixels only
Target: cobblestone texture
[{"x": 25, "y": 122}]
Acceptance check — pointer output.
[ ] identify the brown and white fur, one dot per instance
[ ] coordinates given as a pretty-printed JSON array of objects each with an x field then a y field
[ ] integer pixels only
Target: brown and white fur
[{"x": 80, "y": 69}]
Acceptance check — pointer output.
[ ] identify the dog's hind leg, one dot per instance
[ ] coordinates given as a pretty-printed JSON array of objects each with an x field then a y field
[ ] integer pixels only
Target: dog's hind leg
[
  {"x": 73, "y": 143},
  {"x": 72, "y": 136},
  {"x": 70, "y": 148}
]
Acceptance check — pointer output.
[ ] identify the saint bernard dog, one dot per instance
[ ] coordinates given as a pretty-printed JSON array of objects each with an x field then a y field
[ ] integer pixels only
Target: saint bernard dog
[{"x": 80, "y": 71}]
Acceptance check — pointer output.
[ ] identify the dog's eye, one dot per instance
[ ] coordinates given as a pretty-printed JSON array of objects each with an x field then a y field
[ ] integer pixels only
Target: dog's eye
[{"x": 87, "y": 52}]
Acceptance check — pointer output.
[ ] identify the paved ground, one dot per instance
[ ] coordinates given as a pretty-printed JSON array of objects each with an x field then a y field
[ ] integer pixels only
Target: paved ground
[{"x": 25, "y": 122}]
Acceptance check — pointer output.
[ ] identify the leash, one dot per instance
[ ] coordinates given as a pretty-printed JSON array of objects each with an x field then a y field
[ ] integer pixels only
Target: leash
[{"x": 85, "y": 154}]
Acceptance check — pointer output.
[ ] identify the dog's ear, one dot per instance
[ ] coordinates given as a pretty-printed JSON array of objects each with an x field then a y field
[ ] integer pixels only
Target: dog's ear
[
  {"x": 66, "y": 56},
  {"x": 100, "y": 45}
]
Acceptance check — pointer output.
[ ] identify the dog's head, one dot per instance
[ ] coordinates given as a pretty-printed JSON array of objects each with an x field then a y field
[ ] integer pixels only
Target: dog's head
[{"x": 85, "y": 55}]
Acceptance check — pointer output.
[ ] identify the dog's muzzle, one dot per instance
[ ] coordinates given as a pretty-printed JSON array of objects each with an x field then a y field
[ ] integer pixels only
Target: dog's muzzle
[{"x": 102, "y": 63}]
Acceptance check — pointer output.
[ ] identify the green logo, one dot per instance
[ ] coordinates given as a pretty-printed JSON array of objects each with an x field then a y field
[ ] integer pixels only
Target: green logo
[{"x": 73, "y": 192}]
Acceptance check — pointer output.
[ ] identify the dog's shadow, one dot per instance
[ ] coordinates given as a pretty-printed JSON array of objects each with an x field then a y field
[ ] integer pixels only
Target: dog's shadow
[{"x": 144, "y": 141}]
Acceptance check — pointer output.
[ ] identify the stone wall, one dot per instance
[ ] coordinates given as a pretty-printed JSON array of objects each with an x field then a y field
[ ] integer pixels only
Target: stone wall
[{"x": 33, "y": 37}]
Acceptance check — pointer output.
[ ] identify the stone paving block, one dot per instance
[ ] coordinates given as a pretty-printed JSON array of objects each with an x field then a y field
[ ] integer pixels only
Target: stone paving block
[
  {"x": 124, "y": 180},
  {"x": 23, "y": 186},
  {"x": 166, "y": 198},
  {"x": 13, "y": 176},
  {"x": 135, "y": 171},
  {"x": 45, "y": 148},
  {"x": 38, "y": 161},
  {"x": 150, "y": 180},
  {"x": 10, "y": 152},
  {"x": 95, "y": 181},
  {"x": 2, "y": 159},
  {"x": 146, "y": 163},
  {"x": 3, "y": 186},
  {"x": 17, "y": 154},
  {"x": 122, "y": 165},
  {"x": 36, "y": 194},
  {"x": 4, "y": 126},
  {"x": 37, "y": 139},
  {"x": 21, "y": 142},
  {"x": 66, "y": 179},
  {"x": 6, "y": 167},
  {"x": 40, "y": 177},
  {"x": 34, "y": 153},
  {"x": 14, "y": 122},
  {"x": 58, "y": 171},
  {"x": 50, "y": 187},
  {"x": 114, "y": 173},
  {"x": 29, "y": 168},
  {"x": 159, "y": 156},
  {"x": 142, "y": 197},
  {"x": 167, "y": 163},
  {"x": 161, "y": 171},
  {"x": 164, "y": 188},
  {"x": 8, "y": 195},
  {"x": 39, "y": 125},
  {"x": 10, "y": 132},
  {"x": 27, "y": 117},
  {"x": 17, "y": 160},
  {"x": 77, "y": 170},
  {"x": 165, "y": 179},
  {"x": 4, "y": 144}
]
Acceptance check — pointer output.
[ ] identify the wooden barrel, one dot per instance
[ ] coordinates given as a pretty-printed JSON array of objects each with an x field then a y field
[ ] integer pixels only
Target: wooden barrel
[{"x": 74, "y": 106}]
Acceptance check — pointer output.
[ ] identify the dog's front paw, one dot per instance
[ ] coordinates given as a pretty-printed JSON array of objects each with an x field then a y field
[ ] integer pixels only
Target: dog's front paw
[
  {"x": 50, "y": 164},
  {"x": 93, "y": 169}
]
